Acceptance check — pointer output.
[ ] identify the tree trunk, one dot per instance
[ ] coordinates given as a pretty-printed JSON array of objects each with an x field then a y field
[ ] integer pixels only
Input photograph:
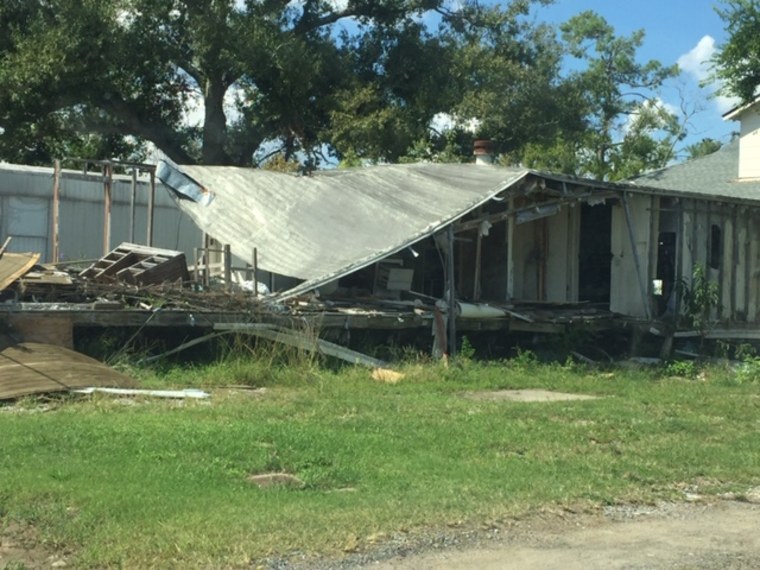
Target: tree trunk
[{"x": 214, "y": 125}]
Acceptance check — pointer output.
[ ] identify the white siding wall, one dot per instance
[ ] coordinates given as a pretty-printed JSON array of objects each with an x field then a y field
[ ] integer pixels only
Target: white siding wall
[{"x": 749, "y": 144}]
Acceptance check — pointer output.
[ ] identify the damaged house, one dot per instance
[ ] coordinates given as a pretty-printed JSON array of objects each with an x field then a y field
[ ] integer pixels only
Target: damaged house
[
  {"x": 519, "y": 246},
  {"x": 401, "y": 248}
]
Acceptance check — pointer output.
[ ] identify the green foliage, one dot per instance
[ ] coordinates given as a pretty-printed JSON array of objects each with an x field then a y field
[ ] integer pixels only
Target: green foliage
[
  {"x": 682, "y": 368},
  {"x": 737, "y": 61},
  {"x": 625, "y": 129},
  {"x": 699, "y": 296},
  {"x": 748, "y": 372},
  {"x": 703, "y": 148},
  {"x": 102, "y": 78},
  {"x": 466, "y": 350}
]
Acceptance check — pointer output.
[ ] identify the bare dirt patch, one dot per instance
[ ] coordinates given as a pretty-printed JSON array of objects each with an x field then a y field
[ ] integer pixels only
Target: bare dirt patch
[
  {"x": 670, "y": 536},
  {"x": 525, "y": 396},
  {"x": 20, "y": 548}
]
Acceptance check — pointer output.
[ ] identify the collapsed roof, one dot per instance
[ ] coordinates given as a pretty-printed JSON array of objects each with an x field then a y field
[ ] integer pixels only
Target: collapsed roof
[{"x": 331, "y": 223}]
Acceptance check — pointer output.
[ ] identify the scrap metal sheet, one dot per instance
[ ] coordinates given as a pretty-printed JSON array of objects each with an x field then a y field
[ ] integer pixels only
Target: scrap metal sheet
[{"x": 326, "y": 225}]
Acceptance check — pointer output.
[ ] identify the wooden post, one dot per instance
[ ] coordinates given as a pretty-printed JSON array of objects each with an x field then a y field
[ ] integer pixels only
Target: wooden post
[
  {"x": 478, "y": 254},
  {"x": 452, "y": 298},
  {"x": 255, "y": 272},
  {"x": 680, "y": 247},
  {"x": 227, "y": 267},
  {"x": 198, "y": 253},
  {"x": 734, "y": 261},
  {"x": 56, "y": 209},
  {"x": 151, "y": 205},
  {"x": 132, "y": 207},
  {"x": 510, "y": 251},
  {"x": 206, "y": 260},
  {"x": 107, "y": 182}
]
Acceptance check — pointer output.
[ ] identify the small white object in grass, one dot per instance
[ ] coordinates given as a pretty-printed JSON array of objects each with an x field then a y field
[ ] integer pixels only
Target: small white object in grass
[{"x": 186, "y": 393}]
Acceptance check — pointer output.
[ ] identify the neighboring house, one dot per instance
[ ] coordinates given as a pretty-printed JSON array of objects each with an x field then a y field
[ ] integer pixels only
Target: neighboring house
[{"x": 26, "y": 214}]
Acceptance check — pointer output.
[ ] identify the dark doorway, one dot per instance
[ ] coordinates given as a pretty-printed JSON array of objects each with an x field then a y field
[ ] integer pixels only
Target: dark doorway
[{"x": 595, "y": 257}]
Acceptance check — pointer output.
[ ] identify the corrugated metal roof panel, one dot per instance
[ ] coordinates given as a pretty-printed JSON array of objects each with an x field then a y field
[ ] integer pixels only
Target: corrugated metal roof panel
[{"x": 323, "y": 226}]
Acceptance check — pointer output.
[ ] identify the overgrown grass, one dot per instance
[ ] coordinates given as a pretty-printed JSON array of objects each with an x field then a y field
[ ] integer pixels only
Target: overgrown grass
[{"x": 147, "y": 483}]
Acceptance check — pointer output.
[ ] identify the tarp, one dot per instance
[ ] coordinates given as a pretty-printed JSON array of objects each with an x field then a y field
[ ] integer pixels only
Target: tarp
[{"x": 331, "y": 223}]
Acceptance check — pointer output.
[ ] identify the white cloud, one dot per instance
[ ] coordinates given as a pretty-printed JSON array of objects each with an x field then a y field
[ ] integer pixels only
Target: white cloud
[{"x": 697, "y": 61}]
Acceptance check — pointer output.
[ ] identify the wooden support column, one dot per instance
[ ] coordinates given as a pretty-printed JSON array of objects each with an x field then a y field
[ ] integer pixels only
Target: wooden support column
[
  {"x": 151, "y": 205},
  {"x": 255, "y": 272},
  {"x": 206, "y": 260},
  {"x": 734, "y": 261},
  {"x": 56, "y": 209},
  {"x": 107, "y": 185},
  {"x": 680, "y": 244},
  {"x": 511, "y": 252},
  {"x": 452, "y": 298},
  {"x": 132, "y": 199},
  {"x": 227, "y": 267},
  {"x": 478, "y": 255}
]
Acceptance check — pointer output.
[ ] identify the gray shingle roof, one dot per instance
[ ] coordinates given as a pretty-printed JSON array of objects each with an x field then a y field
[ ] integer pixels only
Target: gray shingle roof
[{"x": 712, "y": 176}]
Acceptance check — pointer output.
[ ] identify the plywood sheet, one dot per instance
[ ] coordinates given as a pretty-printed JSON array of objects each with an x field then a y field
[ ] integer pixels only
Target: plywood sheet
[
  {"x": 14, "y": 265},
  {"x": 35, "y": 368}
]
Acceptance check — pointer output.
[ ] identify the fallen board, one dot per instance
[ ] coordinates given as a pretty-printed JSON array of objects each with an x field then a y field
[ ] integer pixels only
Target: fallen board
[
  {"x": 14, "y": 265},
  {"x": 34, "y": 368}
]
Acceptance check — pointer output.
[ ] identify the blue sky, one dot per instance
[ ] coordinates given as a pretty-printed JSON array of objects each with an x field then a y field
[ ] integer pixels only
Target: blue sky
[{"x": 677, "y": 31}]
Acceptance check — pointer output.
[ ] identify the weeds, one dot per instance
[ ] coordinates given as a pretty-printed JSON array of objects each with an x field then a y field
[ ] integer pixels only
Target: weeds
[
  {"x": 699, "y": 297},
  {"x": 164, "y": 484}
]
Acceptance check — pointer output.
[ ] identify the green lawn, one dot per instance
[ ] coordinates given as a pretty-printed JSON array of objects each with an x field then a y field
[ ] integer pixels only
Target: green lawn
[{"x": 148, "y": 483}]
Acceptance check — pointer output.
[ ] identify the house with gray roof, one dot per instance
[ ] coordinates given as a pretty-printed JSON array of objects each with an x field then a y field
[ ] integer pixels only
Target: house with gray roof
[{"x": 498, "y": 237}]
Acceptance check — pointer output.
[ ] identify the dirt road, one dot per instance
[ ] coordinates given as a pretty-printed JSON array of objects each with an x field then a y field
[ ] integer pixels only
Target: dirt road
[
  {"x": 721, "y": 535},
  {"x": 687, "y": 536}
]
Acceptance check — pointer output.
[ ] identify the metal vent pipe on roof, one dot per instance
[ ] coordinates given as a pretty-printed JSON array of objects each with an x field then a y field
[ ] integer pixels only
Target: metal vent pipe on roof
[{"x": 483, "y": 151}]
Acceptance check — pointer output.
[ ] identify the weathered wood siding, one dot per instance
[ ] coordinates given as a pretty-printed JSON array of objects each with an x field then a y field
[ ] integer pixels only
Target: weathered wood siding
[
  {"x": 626, "y": 281},
  {"x": 724, "y": 239},
  {"x": 546, "y": 258}
]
